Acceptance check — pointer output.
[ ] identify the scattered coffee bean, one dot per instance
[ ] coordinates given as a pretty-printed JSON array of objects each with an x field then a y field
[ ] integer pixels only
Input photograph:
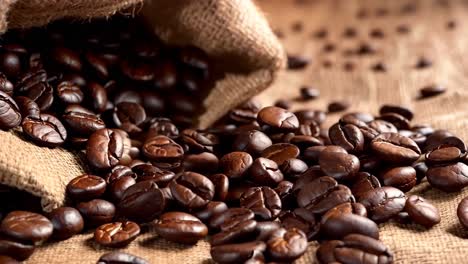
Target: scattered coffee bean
[
  {"x": 26, "y": 226},
  {"x": 117, "y": 234},
  {"x": 46, "y": 130},
  {"x": 96, "y": 212},
  {"x": 263, "y": 201},
  {"x": 308, "y": 93},
  {"x": 180, "y": 227},
  {"x": 338, "y": 106},
  {"x": 403, "y": 178},
  {"x": 379, "y": 67},
  {"x": 67, "y": 222},
  {"x": 286, "y": 245},
  {"x": 236, "y": 253},
  {"x": 421, "y": 211},
  {"x": 383, "y": 203},
  {"x": 448, "y": 178},
  {"x": 297, "y": 62},
  {"x": 121, "y": 258},
  {"x": 462, "y": 212},
  {"x": 376, "y": 33},
  {"x": 17, "y": 249},
  {"x": 432, "y": 90},
  {"x": 142, "y": 202}
]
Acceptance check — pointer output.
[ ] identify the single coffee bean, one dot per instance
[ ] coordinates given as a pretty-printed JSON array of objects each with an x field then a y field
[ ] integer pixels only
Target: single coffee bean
[
  {"x": 393, "y": 147},
  {"x": 67, "y": 222},
  {"x": 69, "y": 93},
  {"x": 302, "y": 219},
  {"x": 403, "y": 111},
  {"x": 10, "y": 116},
  {"x": 346, "y": 208},
  {"x": 462, "y": 212},
  {"x": 308, "y": 93},
  {"x": 5, "y": 85},
  {"x": 266, "y": 172},
  {"x": 230, "y": 217},
  {"x": 432, "y": 90},
  {"x": 399, "y": 121},
  {"x": 142, "y": 202},
  {"x": 118, "y": 187},
  {"x": 27, "y": 106},
  {"x": 67, "y": 58},
  {"x": 338, "y": 226},
  {"x": 83, "y": 124},
  {"x": 403, "y": 178},
  {"x": 237, "y": 231},
  {"x": 252, "y": 142},
  {"x": 41, "y": 93},
  {"x": 235, "y": 164},
  {"x": 338, "y": 165},
  {"x": 311, "y": 115},
  {"x": 199, "y": 141},
  {"x": 352, "y": 249},
  {"x": 444, "y": 155},
  {"x": 15, "y": 249},
  {"x": 236, "y": 253},
  {"x": 98, "y": 96},
  {"x": 221, "y": 184},
  {"x": 211, "y": 209},
  {"x": 26, "y": 226},
  {"x": 309, "y": 175},
  {"x": 421, "y": 211},
  {"x": 245, "y": 113},
  {"x": 180, "y": 227},
  {"x": 285, "y": 104},
  {"x": 116, "y": 257},
  {"x": 276, "y": 118},
  {"x": 382, "y": 126},
  {"x": 146, "y": 172},
  {"x": 370, "y": 163},
  {"x": 86, "y": 187},
  {"x": 46, "y": 130},
  {"x": 162, "y": 149},
  {"x": 286, "y": 245},
  {"x": 265, "y": 229},
  {"x": 117, "y": 234},
  {"x": 192, "y": 190},
  {"x": 293, "y": 168},
  {"x": 281, "y": 152},
  {"x": 96, "y": 212},
  {"x": 263, "y": 201},
  {"x": 129, "y": 116},
  {"x": 104, "y": 148},
  {"x": 118, "y": 172},
  {"x": 297, "y": 62},
  {"x": 364, "y": 182},
  {"x": 204, "y": 162},
  {"x": 448, "y": 178},
  {"x": 348, "y": 137},
  {"x": 436, "y": 139},
  {"x": 383, "y": 203},
  {"x": 338, "y": 106}
]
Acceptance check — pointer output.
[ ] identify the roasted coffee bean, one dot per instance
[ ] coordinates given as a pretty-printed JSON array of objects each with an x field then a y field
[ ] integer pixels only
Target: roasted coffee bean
[
  {"x": 311, "y": 115},
  {"x": 117, "y": 234},
  {"x": 308, "y": 93},
  {"x": 403, "y": 111},
  {"x": 105, "y": 148},
  {"x": 383, "y": 203},
  {"x": 221, "y": 184},
  {"x": 338, "y": 226},
  {"x": 285, "y": 104},
  {"x": 285, "y": 191},
  {"x": 42, "y": 94},
  {"x": 364, "y": 182},
  {"x": 338, "y": 106},
  {"x": 309, "y": 175},
  {"x": 393, "y": 147},
  {"x": 211, "y": 209},
  {"x": 444, "y": 155},
  {"x": 354, "y": 248},
  {"x": 286, "y": 245},
  {"x": 297, "y": 62},
  {"x": 311, "y": 154},
  {"x": 293, "y": 168},
  {"x": 140, "y": 70},
  {"x": 436, "y": 139},
  {"x": 253, "y": 142},
  {"x": 146, "y": 172},
  {"x": 69, "y": 93},
  {"x": 235, "y": 164},
  {"x": 397, "y": 120},
  {"x": 97, "y": 64},
  {"x": 96, "y": 212},
  {"x": 237, "y": 231},
  {"x": 266, "y": 172},
  {"x": 197, "y": 141},
  {"x": 340, "y": 166},
  {"x": 27, "y": 106},
  {"x": 370, "y": 163},
  {"x": 281, "y": 152},
  {"x": 5, "y": 85},
  {"x": 448, "y": 178},
  {"x": 462, "y": 212},
  {"x": 26, "y": 226},
  {"x": 142, "y": 202},
  {"x": 382, "y": 126},
  {"x": 118, "y": 187},
  {"x": 432, "y": 90},
  {"x": 164, "y": 127},
  {"x": 8, "y": 260},
  {"x": 129, "y": 116},
  {"x": 348, "y": 137},
  {"x": 180, "y": 227},
  {"x": 204, "y": 162},
  {"x": 236, "y": 253},
  {"x": 118, "y": 172},
  {"x": 245, "y": 113},
  {"x": 98, "y": 96},
  {"x": 403, "y": 178},
  {"x": 192, "y": 190},
  {"x": 10, "y": 116},
  {"x": 10, "y": 64},
  {"x": 162, "y": 149},
  {"x": 230, "y": 217},
  {"x": 421, "y": 211},
  {"x": 67, "y": 58},
  {"x": 83, "y": 124},
  {"x": 116, "y": 257},
  {"x": 46, "y": 130},
  {"x": 276, "y": 118},
  {"x": 263, "y": 201},
  {"x": 86, "y": 187},
  {"x": 16, "y": 249},
  {"x": 302, "y": 219},
  {"x": 67, "y": 222}
]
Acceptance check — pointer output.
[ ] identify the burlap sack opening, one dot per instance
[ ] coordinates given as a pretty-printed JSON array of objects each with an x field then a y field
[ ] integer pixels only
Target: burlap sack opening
[{"x": 228, "y": 30}]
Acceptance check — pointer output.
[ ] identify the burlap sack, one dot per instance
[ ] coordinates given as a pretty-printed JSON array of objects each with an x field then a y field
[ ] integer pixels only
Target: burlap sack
[{"x": 233, "y": 32}]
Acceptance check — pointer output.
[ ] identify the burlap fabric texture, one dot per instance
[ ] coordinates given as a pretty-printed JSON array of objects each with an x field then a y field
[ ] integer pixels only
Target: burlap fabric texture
[{"x": 233, "y": 32}]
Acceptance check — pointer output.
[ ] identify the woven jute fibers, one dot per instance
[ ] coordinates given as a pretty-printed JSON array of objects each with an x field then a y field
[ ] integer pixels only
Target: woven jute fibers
[{"x": 233, "y": 32}]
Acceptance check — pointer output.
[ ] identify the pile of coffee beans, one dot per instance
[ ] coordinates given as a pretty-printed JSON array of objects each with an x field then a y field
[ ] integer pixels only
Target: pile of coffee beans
[{"x": 259, "y": 185}]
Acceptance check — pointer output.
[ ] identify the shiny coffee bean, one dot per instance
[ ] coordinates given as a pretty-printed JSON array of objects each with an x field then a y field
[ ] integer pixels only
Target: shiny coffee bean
[
  {"x": 15, "y": 249},
  {"x": 448, "y": 178},
  {"x": 41, "y": 93},
  {"x": 142, "y": 202},
  {"x": 204, "y": 162},
  {"x": 180, "y": 227},
  {"x": 302, "y": 219},
  {"x": 10, "y": 116},
  {"x": 340, "y": 166},
  {"x": 338, "y": 226},
  {"x": 383, "y": 203},
  {"x": 198, "y": 141},
  {"x": 82, "y": 124},
  {"x": 348, "y": 137},
  {"x": 116, "y": 234},
  {"x": 403, "y": 111},
  {"x": 443, "y": 155},
  {"x": 293, "y": 168},
  {"x": 162, "y": 149},
  {"x": 96, "y": 212},
  {"x": 67, "y": 58},
  {"x": 118, "y": 187},
  {"x": 129, "y": 116},
  {"x": 235, "y": 164},
  {"x": 86, "y": 187},
  {"x": 211, "y": 209},
  {"x": 281, "y": 152},
  {"x": 253, "y": 142},
  {"x": 237, "y": 231},
  {"x": 236, "y": 253},
  {"x": 399, "y": 121},
  {"x": 421, "y": 211},
  {"x": 192, "y": 190},
  {"x": 104, "y": 148},
  {"x": 393, "y": 147},
  {"x": 67, "y": 222},
  {"x": 403, "y": 178},
  {"x": 266, "y": 172},
  {"x": 221, "y": 184},
  {"x": 117, "y": 257},
  {"x": 146, "y": 172},
  {"x": 230, "y": 217},
  {"x": 98, "y": 96},
  {"x": 164, "y": 127},
  {"x": 276, "y": 118},
  {"x": 27, "y": 107},
  {"x": 26, "y": 226},
  {"x": 462, "y": 212},
  {"x": 286, "y": 245},
  {"x": 346, "y": 208},
  {"x": 263, "y": 201},
  {"x": 46, "y": 130},
  {"x": 69, "y": 93},
  {"x": 364, "y": 182}
]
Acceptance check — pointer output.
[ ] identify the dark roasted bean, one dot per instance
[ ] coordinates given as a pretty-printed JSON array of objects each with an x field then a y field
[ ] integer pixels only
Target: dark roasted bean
[
  {"x": 192, "y": 190},
  {"x": 142, "y": 202},
  {"x": 263, "y": 201},
  {"x": 286, "y": 245},
  {"x": 46, "y": 130},
  {"x": 421, "y": 211},
  {"x": 104, "y": 148},
  {"x": 403, "y": 178},
  {"x": 86, "y": 187},
  {"x": 26, "y": 226},
  {"x": 117, "y": 234},
  {"x": 10, "y": 116},
  {"x": 116, "y": 257},
  {"x": 462, "y": 212},
  {"x": 235, "y": 164},
  {"x": 448, "y": 178},
  {"x": 383, "y": 203},
  {"x": 276, "y": 118},
  {"x": 96, "y": 212},
  {"x": 180, "y": 227}
]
